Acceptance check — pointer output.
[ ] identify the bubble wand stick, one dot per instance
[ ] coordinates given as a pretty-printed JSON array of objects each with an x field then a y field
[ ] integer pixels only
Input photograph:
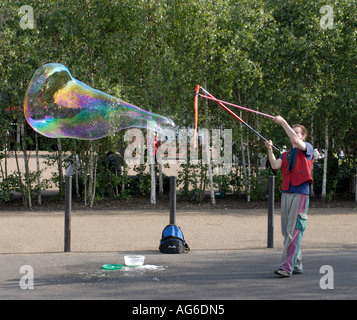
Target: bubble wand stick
[{"x": 198, "y": 87}]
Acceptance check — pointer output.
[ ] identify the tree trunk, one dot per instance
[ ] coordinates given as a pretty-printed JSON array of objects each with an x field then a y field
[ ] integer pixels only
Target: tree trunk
[
  {"x": 249, "y": 169},
  {"x": 27, "y": 169},
  {"x": 76, "y": 168},
  {"x": 312, "y": 143},
  {"x": 39, "y": 196},
  {"x": 153, "y": 184},
  {"x": 245, "y": 175},
  {"x": 60, "y": 169},
  {"x": 161, "y": 182},
  {"x": 92, "y": 175},
  {"x": 324, "y": 175},
  {"x": 90, "y": 167},
  {"x": 21, "y": 185},
  {"x": 213, "y": 199},
  {"x": 210, "y": 175},
  {"x": 95, "y": 156}
]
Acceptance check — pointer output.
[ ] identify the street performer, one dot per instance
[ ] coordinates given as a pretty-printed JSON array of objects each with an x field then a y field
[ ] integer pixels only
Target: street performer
[{"x": 296, "y": 167}]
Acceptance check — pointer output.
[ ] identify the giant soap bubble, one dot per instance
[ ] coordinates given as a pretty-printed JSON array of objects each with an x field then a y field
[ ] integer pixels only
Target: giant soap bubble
[{"x": 59, "y": 106}]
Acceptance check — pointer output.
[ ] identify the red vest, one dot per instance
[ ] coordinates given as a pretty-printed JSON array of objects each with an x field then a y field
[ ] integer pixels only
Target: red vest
[{"x": 300, "y": 173}]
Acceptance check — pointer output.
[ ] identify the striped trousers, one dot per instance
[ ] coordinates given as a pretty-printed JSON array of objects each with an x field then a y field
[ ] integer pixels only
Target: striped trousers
[{"x": 294, "y": 207}]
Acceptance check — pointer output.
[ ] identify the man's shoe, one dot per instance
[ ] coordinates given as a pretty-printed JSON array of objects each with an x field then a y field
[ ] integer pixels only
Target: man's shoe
[
  {"x": 297, "y": 271},
  {"x": 282, "y": 273}
]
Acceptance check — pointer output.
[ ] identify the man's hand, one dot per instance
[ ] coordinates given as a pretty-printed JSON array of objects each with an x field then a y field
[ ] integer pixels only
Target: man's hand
[
  {"x": 269, "y": 145},
  {"x": 279, "y": 120},
  {"x": 296, "y": 140},
  {"x": 275, "y": 163}
]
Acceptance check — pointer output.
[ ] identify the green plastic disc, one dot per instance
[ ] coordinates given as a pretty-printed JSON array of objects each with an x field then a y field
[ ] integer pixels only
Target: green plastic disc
[{"x": 112, "y": 266}]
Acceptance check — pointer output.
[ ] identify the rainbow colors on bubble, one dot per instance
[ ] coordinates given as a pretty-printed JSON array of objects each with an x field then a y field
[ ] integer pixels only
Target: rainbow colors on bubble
[{"x": 59, "y": 106}]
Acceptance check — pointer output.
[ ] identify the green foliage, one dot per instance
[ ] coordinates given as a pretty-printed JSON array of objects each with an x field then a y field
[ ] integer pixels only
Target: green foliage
[
  {"x": 269, "y": 55},
  {"x": 193, "y": 180},
  {"x": 11, "y": 185},
  {"x": 340, "y": 173}
]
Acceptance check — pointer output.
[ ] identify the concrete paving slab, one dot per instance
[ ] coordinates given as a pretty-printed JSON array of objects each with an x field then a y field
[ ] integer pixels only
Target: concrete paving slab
[
  {"x": 194, "y": 276},
  {"x": 229, "y": 258}
]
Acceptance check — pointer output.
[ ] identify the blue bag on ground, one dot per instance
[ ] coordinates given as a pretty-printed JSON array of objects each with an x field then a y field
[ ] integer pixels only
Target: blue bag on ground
[{"x": 172, "y": 240}]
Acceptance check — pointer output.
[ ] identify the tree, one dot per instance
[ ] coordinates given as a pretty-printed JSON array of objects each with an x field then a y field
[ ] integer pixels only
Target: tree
[{"x": 270, "y": 55}]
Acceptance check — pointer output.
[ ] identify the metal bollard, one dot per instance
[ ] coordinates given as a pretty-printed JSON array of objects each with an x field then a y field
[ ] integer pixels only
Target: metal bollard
[
  {"x": 172, "y": 200},
  {"x": 271, "y": 196},
  {"x": 67, "y": 214}
]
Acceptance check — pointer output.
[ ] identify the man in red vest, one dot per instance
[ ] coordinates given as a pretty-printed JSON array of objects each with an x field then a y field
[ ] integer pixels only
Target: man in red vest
[{"x": 296, "y": 167}]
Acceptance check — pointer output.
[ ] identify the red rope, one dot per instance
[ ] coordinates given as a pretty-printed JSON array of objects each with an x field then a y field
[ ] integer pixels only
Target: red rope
[{"x": 236, "y": 106}]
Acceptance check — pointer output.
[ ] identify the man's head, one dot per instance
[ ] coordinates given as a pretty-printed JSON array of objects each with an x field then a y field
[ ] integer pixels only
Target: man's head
[{"x": 301, "y": 131}]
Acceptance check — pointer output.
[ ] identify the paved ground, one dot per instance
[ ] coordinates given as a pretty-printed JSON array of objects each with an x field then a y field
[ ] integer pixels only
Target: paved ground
[{"x": 229, "y": 258}]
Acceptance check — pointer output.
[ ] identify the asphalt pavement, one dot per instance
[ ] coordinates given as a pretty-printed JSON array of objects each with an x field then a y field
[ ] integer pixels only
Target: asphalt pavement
[{"x": 237, "y": 267}]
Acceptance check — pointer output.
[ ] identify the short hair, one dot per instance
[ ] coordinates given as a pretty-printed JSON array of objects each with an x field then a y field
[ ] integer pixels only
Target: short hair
[{"x": 303, "y": 129}]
